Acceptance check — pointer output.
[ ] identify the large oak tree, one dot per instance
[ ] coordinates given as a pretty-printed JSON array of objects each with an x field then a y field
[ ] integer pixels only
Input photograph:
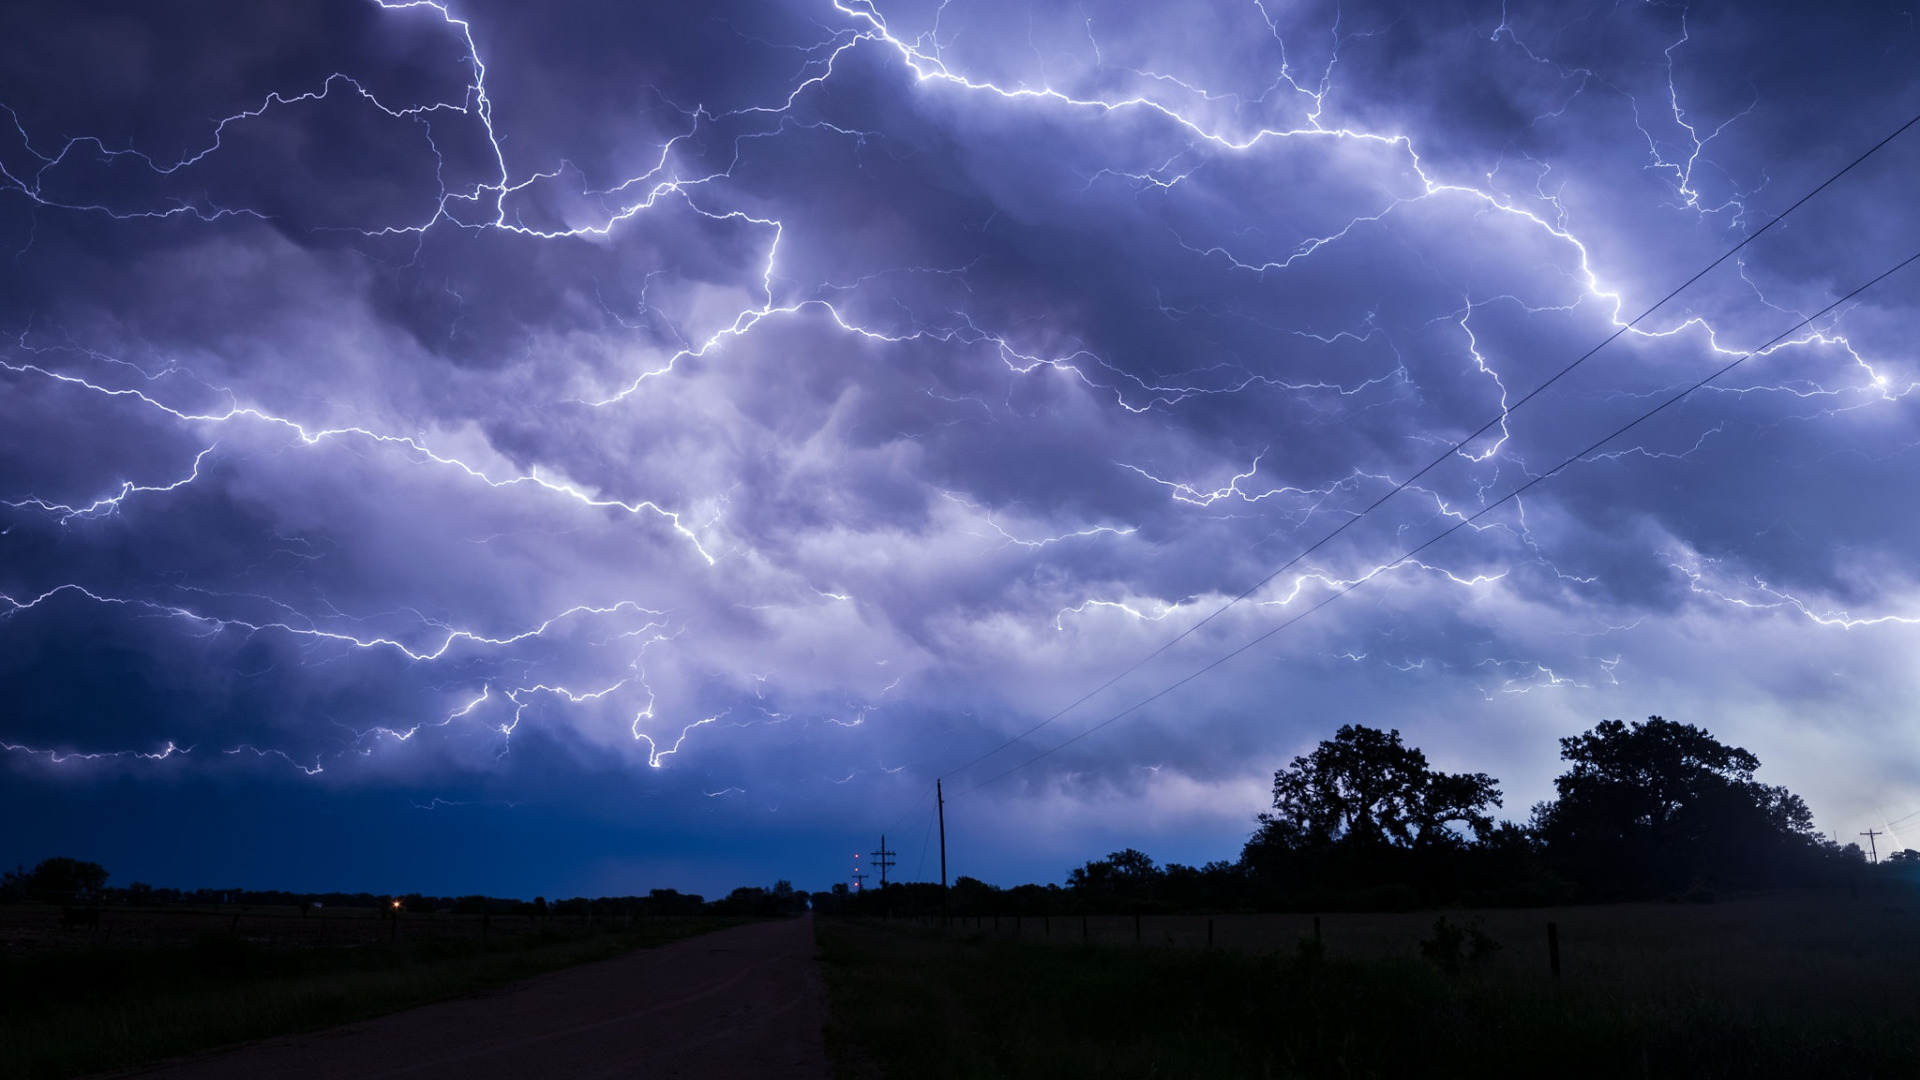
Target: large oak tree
[{"x": 1663, "y": 804}]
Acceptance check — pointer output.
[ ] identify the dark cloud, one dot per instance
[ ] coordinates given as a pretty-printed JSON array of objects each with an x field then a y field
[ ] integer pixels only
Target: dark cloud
[{"x": 738, "y": 415}]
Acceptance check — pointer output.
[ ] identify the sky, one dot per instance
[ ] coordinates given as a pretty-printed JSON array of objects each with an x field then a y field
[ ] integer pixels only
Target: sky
[{"x": 586, "y": 447}]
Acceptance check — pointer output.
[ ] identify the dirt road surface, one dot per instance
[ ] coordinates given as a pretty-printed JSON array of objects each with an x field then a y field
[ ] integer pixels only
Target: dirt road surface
[{"x": 739, "y": 1003}]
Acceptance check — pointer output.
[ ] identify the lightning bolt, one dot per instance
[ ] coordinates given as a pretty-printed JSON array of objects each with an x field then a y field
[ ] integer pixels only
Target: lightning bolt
[{"x": 1195, "y": 126}]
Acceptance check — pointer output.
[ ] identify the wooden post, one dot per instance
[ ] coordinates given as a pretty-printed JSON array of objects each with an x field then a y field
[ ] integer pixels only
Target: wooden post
[
  {"x": 1084, "y": 938},
  {"x": 1136, "y": 927},
  {"x": 1016, "y": 926},
  {"x": 1316, "y": 928},
  {"x": 1046, "y": 927},
  {"x": 1209, "y": 933},
  {"x": 1553, "y": 948},
  {"x": 940, "y": 800}
]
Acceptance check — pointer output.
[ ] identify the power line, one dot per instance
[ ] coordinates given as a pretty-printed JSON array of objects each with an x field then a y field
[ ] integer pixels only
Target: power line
[
  {"x": 1442, "y": 457},
  {"x": 907, "y": 813},
  {"x": 1457, "y": 526}
]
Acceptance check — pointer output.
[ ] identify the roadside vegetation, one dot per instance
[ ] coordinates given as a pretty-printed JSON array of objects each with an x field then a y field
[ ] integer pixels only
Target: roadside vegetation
[{"x": 89, "y": 1008}]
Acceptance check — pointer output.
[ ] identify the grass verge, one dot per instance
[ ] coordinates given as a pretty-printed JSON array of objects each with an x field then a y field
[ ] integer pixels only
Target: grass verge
[
  {"x": 94, "y": 1009},
  {"x": 911, "y": 1003}
]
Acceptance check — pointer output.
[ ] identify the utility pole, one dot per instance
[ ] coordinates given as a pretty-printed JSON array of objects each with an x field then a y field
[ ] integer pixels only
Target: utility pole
[
  {"x": 1872, "y": 853},
  {"x": 940, "y": 800},
  {"x": 859, "y": 875},
  {"x": 883, "y": 859}
]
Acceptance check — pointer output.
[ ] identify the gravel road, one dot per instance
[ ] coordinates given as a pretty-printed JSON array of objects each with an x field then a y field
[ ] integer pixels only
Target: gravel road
[{"x": 745, "y": 1002}]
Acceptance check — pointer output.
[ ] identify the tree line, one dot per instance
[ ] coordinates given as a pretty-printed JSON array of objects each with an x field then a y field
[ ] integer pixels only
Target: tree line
[
  {"x": 1644, "y": 810},
  {"x": 68, "y": 881}
]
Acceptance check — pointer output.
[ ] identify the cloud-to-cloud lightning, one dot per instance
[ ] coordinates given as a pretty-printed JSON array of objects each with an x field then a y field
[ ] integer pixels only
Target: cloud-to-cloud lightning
[{"x": 574, "y": 413}]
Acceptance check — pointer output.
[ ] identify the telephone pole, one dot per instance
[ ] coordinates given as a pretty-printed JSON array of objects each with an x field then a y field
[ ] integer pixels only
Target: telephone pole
[
  {"x": 1873, "y": 854},
  {"x": 940, "y": 800},
  {"x": 859, "y": 875},
  {"x": 883, "y": 859}
]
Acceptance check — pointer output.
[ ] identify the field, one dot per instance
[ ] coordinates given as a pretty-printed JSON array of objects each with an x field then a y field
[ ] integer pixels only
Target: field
[
  {"x": 1794, "y": 984},
  {"x": 145, "y": 985}
]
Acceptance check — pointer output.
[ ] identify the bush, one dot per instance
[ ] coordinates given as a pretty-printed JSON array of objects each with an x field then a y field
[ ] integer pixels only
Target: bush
[{"x": 1453, "y": 949}]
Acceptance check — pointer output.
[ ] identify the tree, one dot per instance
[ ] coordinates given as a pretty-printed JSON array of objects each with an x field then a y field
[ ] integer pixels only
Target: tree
[
  {"x": 1364, "y": 788},
  {"x": 1122, "y": 875},
  {"x": 58, "y": 880},
  {"x": 1217, "y": 884},
  {"x": 1364, "y": 822},
  {"x": 1666, "y": 804}
]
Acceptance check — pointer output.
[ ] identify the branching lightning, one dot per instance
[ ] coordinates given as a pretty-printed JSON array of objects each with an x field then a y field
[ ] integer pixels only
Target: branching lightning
[{"x": 1196, "y": 128}]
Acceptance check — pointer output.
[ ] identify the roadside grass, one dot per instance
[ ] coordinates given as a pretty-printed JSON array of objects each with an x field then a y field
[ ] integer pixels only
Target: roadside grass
[
  {"x": 913, "y": 1003},
  {"x": 99, "y": 1008}
]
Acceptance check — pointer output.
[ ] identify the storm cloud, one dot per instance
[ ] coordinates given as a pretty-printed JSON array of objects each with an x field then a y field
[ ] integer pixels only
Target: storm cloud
[{"x": 429, "y": 431}]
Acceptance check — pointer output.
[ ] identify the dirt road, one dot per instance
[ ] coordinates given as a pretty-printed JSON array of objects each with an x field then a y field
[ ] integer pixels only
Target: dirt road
[{"x": 745, "y": 1002}]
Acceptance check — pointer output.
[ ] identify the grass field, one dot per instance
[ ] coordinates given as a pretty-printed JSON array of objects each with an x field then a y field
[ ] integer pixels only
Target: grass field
[
  {"x": 1793, "y": 985},
  {"x": 85, "y": 1003}
]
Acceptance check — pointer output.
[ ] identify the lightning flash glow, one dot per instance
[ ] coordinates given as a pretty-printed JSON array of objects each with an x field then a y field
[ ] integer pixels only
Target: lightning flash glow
[{"x": 754, "y": 410}]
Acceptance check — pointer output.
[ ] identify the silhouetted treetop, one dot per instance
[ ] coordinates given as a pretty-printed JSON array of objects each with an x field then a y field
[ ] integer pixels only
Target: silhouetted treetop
[
  {"x": 1122, "y": 871},
  {"x": 1666, "y": 803},
  {"x": 57, "y": 880},
  {"x": 1661, "y": 765},
  {"x": 1366, "y": 788}
]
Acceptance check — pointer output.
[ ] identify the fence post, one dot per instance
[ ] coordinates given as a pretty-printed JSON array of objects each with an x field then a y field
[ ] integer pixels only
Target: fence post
[
  {"x": 1046, "y": 927},
  {"x": 1316, "y": 928},
  {"x": 1084, "y": 938},
  {"x": 1553, "y": 948},
  {"x": 1209, "y": 933},
  {"x": 1136, "y": 927}
]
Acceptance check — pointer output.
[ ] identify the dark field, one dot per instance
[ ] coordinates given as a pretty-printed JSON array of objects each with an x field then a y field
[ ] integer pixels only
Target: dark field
[
  {"x": 147, "y": 985},
  {"x": 1785, "y": 985}
]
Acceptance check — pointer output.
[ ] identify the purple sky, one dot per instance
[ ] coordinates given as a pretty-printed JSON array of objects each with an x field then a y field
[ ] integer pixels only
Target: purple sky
[{"x": 591, "y": 447}]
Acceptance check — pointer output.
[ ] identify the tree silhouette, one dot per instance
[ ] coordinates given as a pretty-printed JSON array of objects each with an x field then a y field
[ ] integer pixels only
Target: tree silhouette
[
  {"x": 1364, "y": 821},
  {"x": 1123, "y": 875},
  {"x": 1365, "y": 788},
  {"x": 1666, "y": 804},
  {"x": 58, "y": 880}
]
